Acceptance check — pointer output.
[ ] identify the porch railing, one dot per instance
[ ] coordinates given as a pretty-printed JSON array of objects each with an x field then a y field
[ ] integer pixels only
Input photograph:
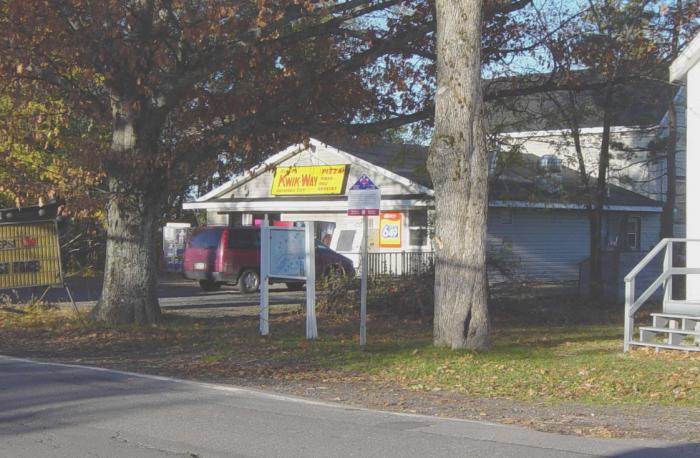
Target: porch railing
[
  {"x": 399, "y": 263},
  {"x": 634, "y": 303}
]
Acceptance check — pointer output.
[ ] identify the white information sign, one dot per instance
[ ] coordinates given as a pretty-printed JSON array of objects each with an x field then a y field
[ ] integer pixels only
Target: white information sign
[
  {"x": 364, "y": 198},
  {"x": 287, "y": 253}
]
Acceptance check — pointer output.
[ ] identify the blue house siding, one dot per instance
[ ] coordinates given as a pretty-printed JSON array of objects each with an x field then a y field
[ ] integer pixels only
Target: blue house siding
[
  {"x": 550, "y": 245},
  {"x": 545, "y": 245}
]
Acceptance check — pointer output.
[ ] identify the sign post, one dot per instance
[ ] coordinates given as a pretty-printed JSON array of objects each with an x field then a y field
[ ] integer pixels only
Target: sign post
[
  {"x": 310, "y": 239},
  {"x": 264, "y": 278},
  {"x": 364, "y": 199}
]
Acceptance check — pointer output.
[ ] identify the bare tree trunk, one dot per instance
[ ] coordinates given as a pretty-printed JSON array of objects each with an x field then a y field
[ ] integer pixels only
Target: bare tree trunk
[
  {"x": 668, "y": 217},
  {"x": 459, "y": 172},
  {"x": 129, "y": 291},
  {"x": 601, "y": 191}
]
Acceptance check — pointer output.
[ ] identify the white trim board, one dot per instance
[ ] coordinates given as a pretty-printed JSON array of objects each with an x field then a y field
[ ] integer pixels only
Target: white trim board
[
  {"x": 685, "y": 61},
  {"x": 565, "y": 206},
  {"x": 584, "y": 131},
  {"x": 300, "y": 206}
]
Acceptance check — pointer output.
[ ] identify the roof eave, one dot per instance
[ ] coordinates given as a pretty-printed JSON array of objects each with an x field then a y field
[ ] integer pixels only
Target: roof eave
[{"x": 685, "y": 61}]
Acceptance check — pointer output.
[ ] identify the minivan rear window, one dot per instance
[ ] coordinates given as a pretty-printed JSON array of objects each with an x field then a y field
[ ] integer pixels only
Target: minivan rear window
[
  {"x": 244, "y": 238},
  {"x": 208, "y": 238}
]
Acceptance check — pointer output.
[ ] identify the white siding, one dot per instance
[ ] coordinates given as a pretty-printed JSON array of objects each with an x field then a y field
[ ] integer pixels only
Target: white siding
[
  {"x": 693, "y": 178},
  {"x": 629, "y": 166}
]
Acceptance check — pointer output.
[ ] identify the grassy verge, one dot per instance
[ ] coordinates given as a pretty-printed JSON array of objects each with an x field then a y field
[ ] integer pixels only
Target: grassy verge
[{"x": 535, "y": 362}]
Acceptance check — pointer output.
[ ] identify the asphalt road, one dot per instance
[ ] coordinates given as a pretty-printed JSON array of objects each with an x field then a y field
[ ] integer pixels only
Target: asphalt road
[
  {"x": 174, "y": 293},
  {"x": 50, "y": 410}
]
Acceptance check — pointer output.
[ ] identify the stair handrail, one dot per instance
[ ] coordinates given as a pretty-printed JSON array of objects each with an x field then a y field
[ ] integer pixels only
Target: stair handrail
[
  {"x": 648, "y": 258},
  {"x": 632, "y": 304}
]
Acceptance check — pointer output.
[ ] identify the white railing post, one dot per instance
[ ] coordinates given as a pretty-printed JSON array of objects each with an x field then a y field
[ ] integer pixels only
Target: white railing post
[
  {"x": 668, "y": 284},
  {"x": 629, "y": 315}
]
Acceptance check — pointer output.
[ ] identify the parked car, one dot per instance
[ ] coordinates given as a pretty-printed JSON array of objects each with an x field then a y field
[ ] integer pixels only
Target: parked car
[{"x": 218, "y": 255}]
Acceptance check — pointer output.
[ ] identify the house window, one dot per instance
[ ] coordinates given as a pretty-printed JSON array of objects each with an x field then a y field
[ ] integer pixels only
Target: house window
[
  {"x": 345, "y": 241},
  {"x": 418, "y": 228},
  {"x": 633, "y": 233}
]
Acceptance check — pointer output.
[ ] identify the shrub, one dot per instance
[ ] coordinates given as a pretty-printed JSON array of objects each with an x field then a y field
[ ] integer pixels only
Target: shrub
[{"x": 398, "y": 296}]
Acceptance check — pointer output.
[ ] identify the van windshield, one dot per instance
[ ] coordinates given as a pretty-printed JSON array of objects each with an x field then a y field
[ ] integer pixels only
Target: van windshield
[{"x": 208, "y": 238}]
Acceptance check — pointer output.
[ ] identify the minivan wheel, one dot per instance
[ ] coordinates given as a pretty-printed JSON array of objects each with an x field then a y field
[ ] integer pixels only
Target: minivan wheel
[
  {"x": 209, "y": 285},
  {"x": 249, "y": 281}
]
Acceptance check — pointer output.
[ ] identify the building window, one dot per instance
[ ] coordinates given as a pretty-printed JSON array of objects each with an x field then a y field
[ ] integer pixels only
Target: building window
[
  {"x": 633, "y": 233},
  {"x": 345, "y": 241},
  {"x": 418, "y": 228},
  {"x": 549, "y": 163}
]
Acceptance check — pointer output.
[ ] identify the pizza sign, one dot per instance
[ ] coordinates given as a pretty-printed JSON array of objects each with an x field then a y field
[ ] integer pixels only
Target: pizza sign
[{"x": 29, "y": 255}]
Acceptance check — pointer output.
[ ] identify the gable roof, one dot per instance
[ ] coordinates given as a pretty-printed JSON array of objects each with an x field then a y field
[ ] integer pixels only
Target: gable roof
[
  {"x": 643, "y": 103},
  {"x": 405, "y": 160},
  {"x": 367, "y": 157},
  {"x": 520, "y": 183}
]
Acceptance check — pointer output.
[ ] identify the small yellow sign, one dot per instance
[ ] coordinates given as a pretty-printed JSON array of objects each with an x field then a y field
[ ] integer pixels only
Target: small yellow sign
[
  {"x": 309, "y": 180},
  {"x": 390, "y": 230},
  {"x": 29, "y": 255}
]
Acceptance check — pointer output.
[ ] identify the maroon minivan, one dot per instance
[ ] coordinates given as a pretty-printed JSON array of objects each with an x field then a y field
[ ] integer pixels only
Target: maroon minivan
[{"x": 216, "y": 255}]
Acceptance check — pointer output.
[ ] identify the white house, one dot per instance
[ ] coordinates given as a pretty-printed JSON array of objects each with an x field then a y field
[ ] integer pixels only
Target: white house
[
  {"x": 685, "y": 70},
  {"x": 535, "y": 124}
]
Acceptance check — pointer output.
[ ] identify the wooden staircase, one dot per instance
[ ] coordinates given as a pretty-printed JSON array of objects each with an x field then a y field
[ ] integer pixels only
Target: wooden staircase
[{"x": 678, "y": 326}]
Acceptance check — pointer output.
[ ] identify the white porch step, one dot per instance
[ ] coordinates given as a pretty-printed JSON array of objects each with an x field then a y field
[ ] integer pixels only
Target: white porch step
[
  {"x": 676, "y": 321},
  {"x": 664, "y": 346},
  {"x": 672, "y": 335},
  {"x": 676, "y": 316},
  {"x": 686, "y": 332}
]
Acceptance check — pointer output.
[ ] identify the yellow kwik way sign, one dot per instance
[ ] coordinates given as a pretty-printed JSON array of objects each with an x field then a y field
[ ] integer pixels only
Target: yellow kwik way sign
[
  {"x": 29, "y": 255},
  {"x": 309, "y": 180}
]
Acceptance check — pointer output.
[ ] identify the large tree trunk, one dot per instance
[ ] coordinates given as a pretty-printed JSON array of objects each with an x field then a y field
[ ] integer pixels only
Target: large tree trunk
[
  {"x": 130, "y": 288},
  {"x": 129, "y": 291},
  {"x": 459, "y": 172}
]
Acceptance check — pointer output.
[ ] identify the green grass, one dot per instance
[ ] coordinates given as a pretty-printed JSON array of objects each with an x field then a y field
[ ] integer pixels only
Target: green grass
[
  {"x": 531, "y": 363},
  {"x": 538, "y": 363}
]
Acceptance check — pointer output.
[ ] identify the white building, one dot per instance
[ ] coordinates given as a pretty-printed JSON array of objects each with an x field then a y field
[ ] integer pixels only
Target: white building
[
  {"x": 685, "y": 70},
  {"x": 537, "y": 124}
]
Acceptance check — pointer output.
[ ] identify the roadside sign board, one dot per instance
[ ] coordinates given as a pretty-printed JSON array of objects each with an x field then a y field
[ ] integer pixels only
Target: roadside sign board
[
  {"x": 364, "y": 198},
  {"x": 287, "y": 253},
  {"x": 309, "y": 180},
  {"x": 29, "y": 255},
  {"x": 174, "y": 236}
]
